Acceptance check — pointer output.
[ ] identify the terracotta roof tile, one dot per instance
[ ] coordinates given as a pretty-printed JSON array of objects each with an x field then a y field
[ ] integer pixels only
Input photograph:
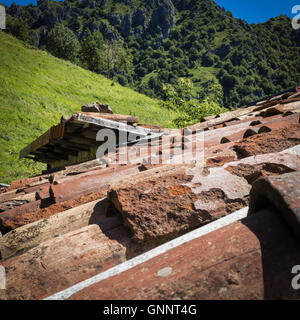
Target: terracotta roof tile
[
  {"x": 60, "y": 262},
  {"x": 11, "y": 220},
  {"x": 239, "y": 261},
  {"x": 32, "y": 234},
  {"x": 161, "y": 205},
  {"x": 274, "y": 141},
  {"x": 282, "y": 192},
  {"x": 78, "y": 185}
]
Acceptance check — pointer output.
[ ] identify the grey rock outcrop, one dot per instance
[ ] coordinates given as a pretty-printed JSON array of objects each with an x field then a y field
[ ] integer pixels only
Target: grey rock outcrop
[
  {"x": 126, "y": 24},
  {"x": 139, "y": 19},
  {"x": 163, "y": 18}
]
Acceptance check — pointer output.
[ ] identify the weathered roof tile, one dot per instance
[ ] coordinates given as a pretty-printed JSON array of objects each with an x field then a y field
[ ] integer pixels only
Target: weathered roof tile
[
  {"x": 283, "y": 193},
  {"x": 239, "y": 261},
  {"x": 32, "y": 234},
  {"x": 59, "y": 263}
]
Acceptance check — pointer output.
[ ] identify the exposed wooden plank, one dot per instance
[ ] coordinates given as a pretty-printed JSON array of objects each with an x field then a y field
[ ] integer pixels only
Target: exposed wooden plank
[
  {"x": 51, "y": 155},
  {"x": 72, "y": 146},
  {"x": 66, "y": 151},
  {"x": 79, "y": 139}
]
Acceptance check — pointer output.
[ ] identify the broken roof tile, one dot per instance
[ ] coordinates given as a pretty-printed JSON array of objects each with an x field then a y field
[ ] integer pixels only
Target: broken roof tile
[
  {"x": 32, "y": 234},
  {"x": 238, "y": 261},
  {"x": 161, "y": 205},
  {"x": 83, "y": 185},
  {"x": 11, "y": 220}
]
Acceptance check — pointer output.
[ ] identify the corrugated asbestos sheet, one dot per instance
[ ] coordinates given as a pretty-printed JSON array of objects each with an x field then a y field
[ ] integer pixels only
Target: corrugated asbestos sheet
[{"x": 158, "y": 228}]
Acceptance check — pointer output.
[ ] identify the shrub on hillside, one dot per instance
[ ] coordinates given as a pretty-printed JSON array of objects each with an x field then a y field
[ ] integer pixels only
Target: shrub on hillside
[
  {"x": 63, "y": 43},
  {"x": 191, "y": 110}
]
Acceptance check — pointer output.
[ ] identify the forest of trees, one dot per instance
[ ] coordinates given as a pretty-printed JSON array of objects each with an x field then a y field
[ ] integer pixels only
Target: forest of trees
[
  {"x": 147, "y": 45},
  {"x": 93, "y": 52}
]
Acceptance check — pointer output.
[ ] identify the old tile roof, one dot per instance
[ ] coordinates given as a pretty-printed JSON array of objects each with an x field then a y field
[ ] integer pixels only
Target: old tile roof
[
  {"x": 77, "y": 134},
  {"x": 158, "y": 228}
]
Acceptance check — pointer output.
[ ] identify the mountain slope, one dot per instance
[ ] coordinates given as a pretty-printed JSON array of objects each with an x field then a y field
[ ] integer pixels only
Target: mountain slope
[
  {"x": 168, "y": 39},
  {"x": 36, "y": 89}
]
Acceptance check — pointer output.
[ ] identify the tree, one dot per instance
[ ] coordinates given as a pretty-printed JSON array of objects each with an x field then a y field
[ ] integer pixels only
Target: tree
[
  {"x": 118, "y": 59},
  {"x": 191, "y": 110},
  {"x": 194, "y": 54},
  {"x": 92, "y": 52},
  {"x": 19, "y": 28},
  {"x": 63, "y": 43},
  {"x": 228, "y": 80},
  {"x": 207, "y": 60}
]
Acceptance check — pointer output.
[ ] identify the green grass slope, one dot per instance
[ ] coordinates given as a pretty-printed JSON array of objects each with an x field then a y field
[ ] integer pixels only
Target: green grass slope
[{"x": 36, "y": 89}]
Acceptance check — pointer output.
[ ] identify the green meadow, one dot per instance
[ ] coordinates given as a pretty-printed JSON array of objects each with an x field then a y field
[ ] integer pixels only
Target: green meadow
[{"x": 36, "y": 89}]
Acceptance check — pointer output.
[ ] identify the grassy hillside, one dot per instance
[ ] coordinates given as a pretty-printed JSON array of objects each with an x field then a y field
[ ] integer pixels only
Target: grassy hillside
[{"x": 36, "y": 89}]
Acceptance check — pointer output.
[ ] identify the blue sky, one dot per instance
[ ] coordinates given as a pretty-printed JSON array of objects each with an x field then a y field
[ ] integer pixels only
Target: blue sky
[
  {"x": 249, "y": 10},
  {"x": 258, "y": 10}
]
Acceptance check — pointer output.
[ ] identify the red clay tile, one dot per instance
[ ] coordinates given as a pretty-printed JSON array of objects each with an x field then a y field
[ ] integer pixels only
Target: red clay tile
[
  {"x": 249, "y": 259},
  {"x": 274, "y": 141},
  {"x": 32, "y": 234},
  {"x": 162, "y": 206},
  {"x": 282, "y": 192},
  {"x": 11, "y": 220},
  {"x": 264, "y": 165},
  {"x": 59, "y": 263},
  {"x": 79, "y": 186}
]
